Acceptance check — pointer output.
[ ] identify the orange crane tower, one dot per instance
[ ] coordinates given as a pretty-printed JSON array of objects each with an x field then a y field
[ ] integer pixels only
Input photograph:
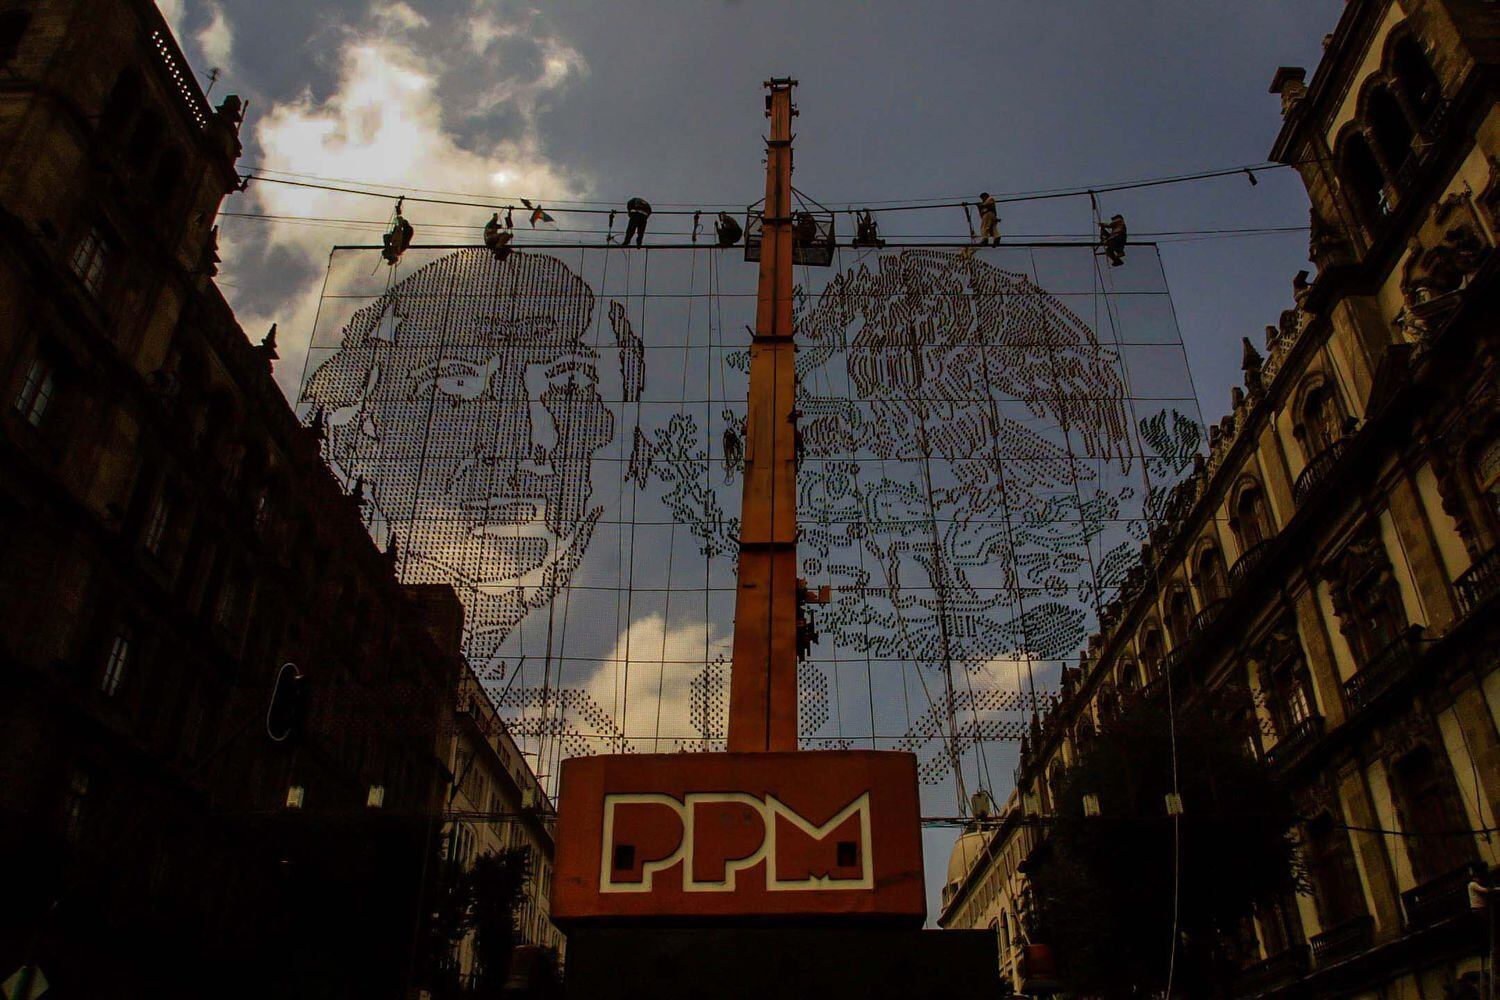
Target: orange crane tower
[{"x": 763, "y": 678}]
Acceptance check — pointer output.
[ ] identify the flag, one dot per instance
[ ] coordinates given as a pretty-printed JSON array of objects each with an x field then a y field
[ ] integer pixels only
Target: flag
[{"x": 538, "y": 214}]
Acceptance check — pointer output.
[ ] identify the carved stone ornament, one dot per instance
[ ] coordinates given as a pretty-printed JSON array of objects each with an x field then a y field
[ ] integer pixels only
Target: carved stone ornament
[
  {"x": 1363, "y": 557},
  {"x": 1327, "y": 245}
]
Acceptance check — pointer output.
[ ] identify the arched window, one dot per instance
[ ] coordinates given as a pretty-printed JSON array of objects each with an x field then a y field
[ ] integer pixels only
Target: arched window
[
  {"x": 1130, "y": 677},
  {"x": 1414, "y": 76},
  {"x": 1179, "y": 616},
  {"x": 144, "y": 140},
  {"x": 1152, "y": 652},
  {"x": 123, "y": 102},
  {"x": 13, "y": 25},
  {"x": 1392, "y": 131},
  {"x": 167, "y": 177},
  {"x": 1321, "y": 421},
  {"x": 1250, "y": 522},
  {"x": 1211, "y": 583},
  {"x": 1363, "y": 182},
  {"x": 1486, "y": 465}
]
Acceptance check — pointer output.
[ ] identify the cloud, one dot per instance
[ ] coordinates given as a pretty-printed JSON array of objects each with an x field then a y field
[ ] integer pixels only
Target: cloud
[
  {"x": 645, "y": 702},
  {"x": 216, "y": 39},
  {"x": 172, "y": 11},
  {"x": 389, "y": 118}
]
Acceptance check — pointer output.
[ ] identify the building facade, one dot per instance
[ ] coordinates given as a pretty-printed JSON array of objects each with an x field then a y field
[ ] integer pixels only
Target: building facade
[
  {"x": 497, "y": 804},
  {"x": 1336, "y": 554},
  {"x": 169, "y": 540}
]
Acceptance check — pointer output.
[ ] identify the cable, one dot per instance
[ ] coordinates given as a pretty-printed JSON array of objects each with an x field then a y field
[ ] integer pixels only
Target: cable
[{"x": 914, "y": 205}]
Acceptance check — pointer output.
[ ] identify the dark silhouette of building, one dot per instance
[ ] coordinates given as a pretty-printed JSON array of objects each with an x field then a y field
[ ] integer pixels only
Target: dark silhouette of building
[
  {"x": 169, "y": 539},
  {"x": 1334, "y": 562}
]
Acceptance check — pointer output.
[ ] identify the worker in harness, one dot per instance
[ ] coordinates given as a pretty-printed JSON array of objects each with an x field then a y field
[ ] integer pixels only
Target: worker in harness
[{"x": 637, "y": 210}]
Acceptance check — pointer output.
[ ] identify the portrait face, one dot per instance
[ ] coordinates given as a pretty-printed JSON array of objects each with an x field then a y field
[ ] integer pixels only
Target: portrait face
[
  {"x": 962, "y": 465},
  {"x": 467, "y": 399}
]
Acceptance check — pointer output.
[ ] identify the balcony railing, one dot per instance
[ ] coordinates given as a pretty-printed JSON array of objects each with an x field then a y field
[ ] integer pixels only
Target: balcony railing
[
  {"x": 1248, "y": 561},
  {"x": 1317, "y": 471},
  {"x": 1444, "y": 897},
  {"x": 1378, "y": 676},
  {"x": 1171, "y": 664},
  {"x": 1479, "y": 582},
  {"x": 1272, "y": 973},
  {"x": 1344, "y": 941},
  {"x": 1203, "y": 619},
  {"x": 1296, "y": 739}
]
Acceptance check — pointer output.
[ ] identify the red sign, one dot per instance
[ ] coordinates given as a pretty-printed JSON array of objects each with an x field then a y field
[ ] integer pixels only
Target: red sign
[{"x": 738, "y": 836}]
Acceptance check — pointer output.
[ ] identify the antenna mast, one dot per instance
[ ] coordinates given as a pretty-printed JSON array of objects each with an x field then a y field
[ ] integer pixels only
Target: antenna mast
[{"x": 763, "y": 677}]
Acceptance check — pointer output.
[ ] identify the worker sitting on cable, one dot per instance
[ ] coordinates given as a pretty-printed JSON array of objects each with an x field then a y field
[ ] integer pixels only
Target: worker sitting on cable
[
  {"x": 989, "y": 222},
  {"x": 1112, "y": 239},
  {"x": 804, "y": 228},
  {"x": 727, "y": 230},
  {"x": 638, "y": 210},
  {"x": 866, "y": 232},
  {"x": 497, "y": 237},
  {"x": 398, "y": 239}
]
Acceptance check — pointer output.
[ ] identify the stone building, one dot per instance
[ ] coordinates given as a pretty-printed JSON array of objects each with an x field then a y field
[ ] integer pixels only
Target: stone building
[
  {"x": 1337, "y": 553},
  {"x": 169, "y": 538},
  {"x": 497, "y": 804}
]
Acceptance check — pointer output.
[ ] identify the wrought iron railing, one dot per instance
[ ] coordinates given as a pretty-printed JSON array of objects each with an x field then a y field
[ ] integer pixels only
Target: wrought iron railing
[
  {"x": 1479, "y": 582},
  {"x": 1317, "y": 471},
  {"x": 1270, "y": 973},
  {"x": 1248, "y": 561},
  {"x": 1377, "y": 676},
  {"x": 1439, "y": 899},
  {"x": 1344, "y": 940},
  {"x": 1203, "y": 619},
  {"x": 1171, "y": 664},
  {"x": 1296, "y": 739}
]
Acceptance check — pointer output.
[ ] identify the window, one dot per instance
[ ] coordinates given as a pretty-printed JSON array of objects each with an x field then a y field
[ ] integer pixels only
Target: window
[
  {"x": 1320, "y": 422},
  {"x": 1335, "y": 877},
  {"x": 1179, "y": 617},
  {"x": 36, "y": 392},
  {"x": 145, "y": 140},
  {"x": 91, "y": 260},
  {"x": 1151, "y": 653},
  {"x": 74, "y": 799},
  {"x": 1376, "y": 614},
  {"x": 1251, "y": 522},
  {"x": 156, "y": 523},
  {"x": 1211, "y": 582},
  {"x": 1389, "y": 127},
  {"x": 122, "y": 103},
  {"x": 1363, "y": 181},
  {"x": 1431, "y": 814},
  {"x": 1414, "y": 76},
  {"x": 115, "y": 664}
]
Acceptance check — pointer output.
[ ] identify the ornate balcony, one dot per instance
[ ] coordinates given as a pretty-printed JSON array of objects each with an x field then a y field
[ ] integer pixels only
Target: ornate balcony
[
  {"x": 1248, "y": 561},
  {"x": 1344, "y": 940},
  {"x": 1379, "y": 675},
  {"x": 1442, "y": 898},
  {"x": 1318, "y": 470},
  {"x": 1172, "y": 663},
  {"x": 1203, "y": 619},
  {"x": 1479, "y": 582},
  {"x": 1272, "y": 973},
  {"x": 1290, "y": 745}
]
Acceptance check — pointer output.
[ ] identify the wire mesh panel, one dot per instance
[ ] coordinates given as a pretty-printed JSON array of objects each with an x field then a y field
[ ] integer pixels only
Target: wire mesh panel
[{"x": 559, "y": 435}]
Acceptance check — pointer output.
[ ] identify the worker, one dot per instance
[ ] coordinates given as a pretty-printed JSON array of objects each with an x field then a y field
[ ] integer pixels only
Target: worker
[
  {"x": 398, "y": 239},
  {"x": 866, "y": 232},
  {"x": 804, "y": 228},
  {"x": 727, "y": 230},
  {"x": 637, "y": 210},
  {"x": 989, "y": 222},
  {"x": 807, "y": 634},
  {"x": 497, "y": 237},
  {"x": 1112, "y": 239}
]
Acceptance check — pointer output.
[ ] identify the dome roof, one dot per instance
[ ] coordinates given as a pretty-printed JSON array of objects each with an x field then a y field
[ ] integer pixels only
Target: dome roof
[{"x": 968, "y": 849}]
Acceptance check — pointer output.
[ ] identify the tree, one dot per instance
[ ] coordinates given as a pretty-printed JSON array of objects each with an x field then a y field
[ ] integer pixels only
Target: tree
[
  {"x": 480, "y": 901},
  {"x": 1110, "y": 888}
]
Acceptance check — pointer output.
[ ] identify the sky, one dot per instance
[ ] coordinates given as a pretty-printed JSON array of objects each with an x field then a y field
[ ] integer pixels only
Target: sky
[{"x": 603, "y": 101}]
